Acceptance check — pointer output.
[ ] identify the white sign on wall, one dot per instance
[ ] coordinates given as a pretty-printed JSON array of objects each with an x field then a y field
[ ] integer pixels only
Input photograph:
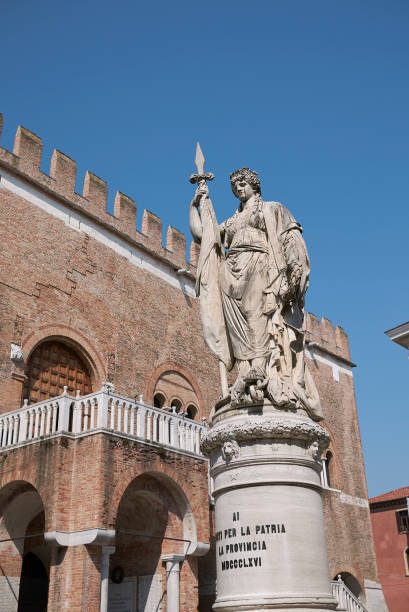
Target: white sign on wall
[
  {"x": 122, "y": 597},
  {"x": 136, "y": 594}
]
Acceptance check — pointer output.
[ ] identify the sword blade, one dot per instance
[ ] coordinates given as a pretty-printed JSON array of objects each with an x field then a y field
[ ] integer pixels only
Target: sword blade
[{"x": 199, "y": 159}]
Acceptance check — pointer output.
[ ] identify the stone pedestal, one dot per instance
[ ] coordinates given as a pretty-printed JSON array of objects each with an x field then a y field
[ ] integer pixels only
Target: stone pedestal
[{"x": 270, "y": 541}]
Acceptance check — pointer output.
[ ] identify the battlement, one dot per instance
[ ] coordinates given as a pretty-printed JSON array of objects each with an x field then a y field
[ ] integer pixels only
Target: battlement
[
  {"x": 25, "y": 160},
  {"x": 329, "y": 338}
]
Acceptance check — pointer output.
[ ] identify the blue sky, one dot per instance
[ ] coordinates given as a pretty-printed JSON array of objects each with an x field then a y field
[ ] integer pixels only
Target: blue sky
[{"x": 313, "y": 95}]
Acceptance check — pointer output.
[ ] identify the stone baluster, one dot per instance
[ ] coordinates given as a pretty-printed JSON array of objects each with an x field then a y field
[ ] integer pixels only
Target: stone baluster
[
  {"x": 16, "y": 427},
  {"x": 182, "y": 434},
  {"x": 166, "y": 432},
  {"x": 30, "y": 424},
  {"x": 3, "y": 432},
  {"x": 119, "y": 417},
  {"x": 22, "y": 434},
  {"x": 11, "y": 435},
  {"x": 141, "y": 422},
  {"x": 162, "y": 431},
  {"x": 36, "y": 422},
  {"x": 48, "y": 412},
  {"x": 148, "y": 424},
  {"x": 126, "y": 418},
  {"x": 77, "y": 417},
  {"x": 174, "y": 433},
  {"x": 103, "y": 404},
  {"x": 54, "y": 417},
  {"x": 91, "y": 415},
  {"x": 63, "y": 407},
  {"x": 42, "y": 410},
  {"x": 132, "y": 420}
]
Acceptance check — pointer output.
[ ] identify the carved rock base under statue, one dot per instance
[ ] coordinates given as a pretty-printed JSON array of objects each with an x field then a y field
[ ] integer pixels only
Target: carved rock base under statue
[{"x": 270, "y": 541}]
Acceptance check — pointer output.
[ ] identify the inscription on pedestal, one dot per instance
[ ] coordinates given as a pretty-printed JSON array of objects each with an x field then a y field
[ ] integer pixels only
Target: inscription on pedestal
[{"x": 248, "y": 540}]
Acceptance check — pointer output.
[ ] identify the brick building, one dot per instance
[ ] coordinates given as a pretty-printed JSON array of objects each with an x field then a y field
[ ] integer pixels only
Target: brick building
[
  {"x": 390, "y": 524},
  {"x": 105, "y": 388}
]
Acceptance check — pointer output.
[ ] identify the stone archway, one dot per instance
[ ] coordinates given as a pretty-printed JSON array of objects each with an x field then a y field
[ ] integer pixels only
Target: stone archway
[
  {"x": 154, "y": 523},
  {"x": 22, "y": 523}
]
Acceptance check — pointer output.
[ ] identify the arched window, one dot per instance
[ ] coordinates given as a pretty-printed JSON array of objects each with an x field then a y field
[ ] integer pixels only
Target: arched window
[
  {"x": 191, "y": 411},
  {"x": 159, "y": 400},
  {"x": 52, "y": 366},
  {"x": 176, "y": 405}
]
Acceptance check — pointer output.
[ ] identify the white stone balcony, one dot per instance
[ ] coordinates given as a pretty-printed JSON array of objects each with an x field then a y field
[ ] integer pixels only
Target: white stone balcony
[{"x": 101, "y": 411}]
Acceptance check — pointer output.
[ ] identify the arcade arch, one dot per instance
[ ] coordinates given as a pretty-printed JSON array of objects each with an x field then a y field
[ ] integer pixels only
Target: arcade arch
[
  {"x": 24, "y": 556},
  {"x": 154, "y": 520}
]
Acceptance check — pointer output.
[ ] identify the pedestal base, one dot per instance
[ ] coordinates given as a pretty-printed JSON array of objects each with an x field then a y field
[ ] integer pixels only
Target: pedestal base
[
  {"x": 279, "y": 604},
  {"x": 270, "y": 543}
]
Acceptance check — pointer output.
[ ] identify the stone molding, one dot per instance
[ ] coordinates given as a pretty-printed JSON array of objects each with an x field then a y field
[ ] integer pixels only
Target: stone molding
[
  {"x": 197, "y": 549},
  {"x": 265, "y": 427},
  {"x": 97, "y": 536}
]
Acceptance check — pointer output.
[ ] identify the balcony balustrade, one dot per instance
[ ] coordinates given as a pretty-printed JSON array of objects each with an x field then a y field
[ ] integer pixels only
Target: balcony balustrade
[
  {"x": 346, "y": 600},
  {"x": 104, "y": 410}
]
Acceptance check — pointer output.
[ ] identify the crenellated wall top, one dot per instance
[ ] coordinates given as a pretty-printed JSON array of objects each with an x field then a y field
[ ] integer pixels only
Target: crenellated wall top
[
  {"x": 25, "y": 160},
  {"x": 331, "y": 339}
]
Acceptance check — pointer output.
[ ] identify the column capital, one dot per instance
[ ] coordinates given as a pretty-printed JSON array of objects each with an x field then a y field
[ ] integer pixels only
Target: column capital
[{"x": 173, "y": 562}]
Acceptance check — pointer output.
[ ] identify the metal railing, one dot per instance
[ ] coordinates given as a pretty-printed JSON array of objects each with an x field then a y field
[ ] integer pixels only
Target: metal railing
[
  {"x": 104, "y": 409},
  {"x": 345, "y": 598}
]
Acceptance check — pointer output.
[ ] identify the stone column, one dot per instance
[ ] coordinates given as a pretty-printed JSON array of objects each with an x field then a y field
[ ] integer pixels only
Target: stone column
[
  {"x": 79, "y": 564},
  {"x": 106, "y": 552},
  {"x": 270, "y": 542},
  {"x": 172, "y": 581}
]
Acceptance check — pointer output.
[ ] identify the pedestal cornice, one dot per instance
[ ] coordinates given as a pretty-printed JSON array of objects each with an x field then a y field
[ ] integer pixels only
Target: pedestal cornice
[{"x": 261, "y": 427}]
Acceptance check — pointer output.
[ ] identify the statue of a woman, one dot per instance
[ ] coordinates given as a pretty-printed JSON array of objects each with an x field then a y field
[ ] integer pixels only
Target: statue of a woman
[{"x": 252, "y": 296}]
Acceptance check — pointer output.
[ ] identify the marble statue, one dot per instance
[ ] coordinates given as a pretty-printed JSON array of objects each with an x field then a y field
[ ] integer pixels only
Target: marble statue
[{"x": 252, "y": 277}]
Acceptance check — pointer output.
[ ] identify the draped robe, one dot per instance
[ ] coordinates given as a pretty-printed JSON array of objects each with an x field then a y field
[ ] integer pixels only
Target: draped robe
[{"x": 243, "y": 313}]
